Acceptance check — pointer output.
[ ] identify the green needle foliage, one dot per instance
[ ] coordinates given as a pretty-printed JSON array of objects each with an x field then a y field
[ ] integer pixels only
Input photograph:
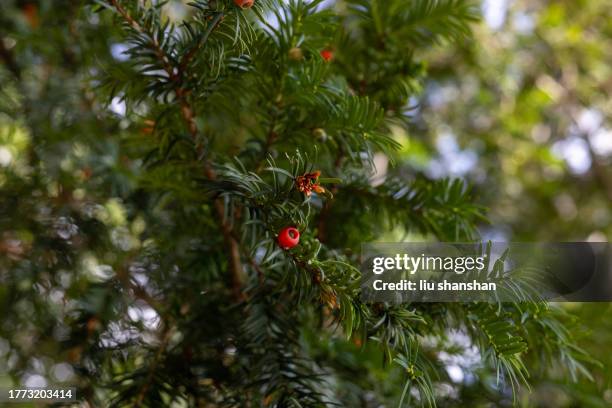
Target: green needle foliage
[{"x": 139, "y": 243}]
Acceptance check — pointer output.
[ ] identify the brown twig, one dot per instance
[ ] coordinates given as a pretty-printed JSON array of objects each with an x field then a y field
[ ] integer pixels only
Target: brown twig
[{"x": 188, "y": 115}]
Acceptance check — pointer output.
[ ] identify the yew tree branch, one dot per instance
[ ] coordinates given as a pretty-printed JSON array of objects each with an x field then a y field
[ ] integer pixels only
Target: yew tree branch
[{"x": 176, "y": 74}]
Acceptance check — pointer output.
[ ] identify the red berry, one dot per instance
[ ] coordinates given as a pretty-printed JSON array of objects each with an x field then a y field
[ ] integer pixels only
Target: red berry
[
  {"x": 244, "y": 4},
  {"x": 288, "y": 237},
  {"x": 327, "y": 55}
]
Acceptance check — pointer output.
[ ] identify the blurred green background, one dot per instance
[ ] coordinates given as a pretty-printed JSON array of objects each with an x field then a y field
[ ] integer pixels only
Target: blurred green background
[{"x": 523, "y": 111}]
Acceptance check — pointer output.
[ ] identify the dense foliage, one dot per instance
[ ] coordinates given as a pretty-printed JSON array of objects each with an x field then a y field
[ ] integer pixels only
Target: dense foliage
[{"x": 154, "y": 151}]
